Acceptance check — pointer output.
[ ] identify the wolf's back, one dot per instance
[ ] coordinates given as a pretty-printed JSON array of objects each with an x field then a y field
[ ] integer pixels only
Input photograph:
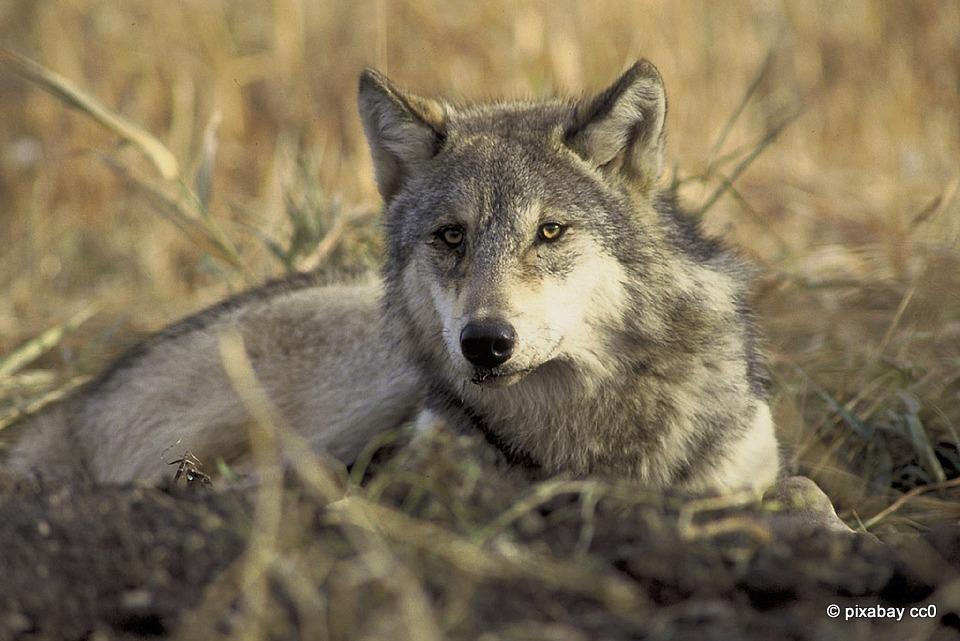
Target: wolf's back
[{"x": 319, "y": 352}]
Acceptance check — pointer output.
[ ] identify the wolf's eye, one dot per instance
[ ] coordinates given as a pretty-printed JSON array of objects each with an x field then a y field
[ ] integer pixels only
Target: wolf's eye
[
  {"x": 549, "y": 232},
  {"x": 452, "y": 236}
]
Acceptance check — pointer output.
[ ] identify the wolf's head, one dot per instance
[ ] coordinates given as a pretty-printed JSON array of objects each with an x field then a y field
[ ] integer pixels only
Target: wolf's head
[{"x": 511, "y": 227}]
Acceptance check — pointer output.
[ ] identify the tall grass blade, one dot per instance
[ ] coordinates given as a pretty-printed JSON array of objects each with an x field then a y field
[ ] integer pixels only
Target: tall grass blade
[
  {"x": 159, "y": 155},
  {"x": 33, "y": 349},
  {"x": 203, "y": 183},
  {"x": 201, "y": 230},
  {"x": 732, "y": 120},
  {"x": 742, "y": 166},
  {"x": 864, "y": 430},
  {"x": 38, "y": 404},
  {"x": 920, "y": 439}
]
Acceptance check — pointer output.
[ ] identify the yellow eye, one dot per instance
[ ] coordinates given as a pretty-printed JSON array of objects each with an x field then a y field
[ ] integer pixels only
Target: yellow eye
[
  {"x": 550, "y": 231},
  {"x": 452, "y": 236}
]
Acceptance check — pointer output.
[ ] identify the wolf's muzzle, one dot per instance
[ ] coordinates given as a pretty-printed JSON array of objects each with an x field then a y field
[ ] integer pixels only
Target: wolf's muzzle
[{"x": 488, "y": 343}]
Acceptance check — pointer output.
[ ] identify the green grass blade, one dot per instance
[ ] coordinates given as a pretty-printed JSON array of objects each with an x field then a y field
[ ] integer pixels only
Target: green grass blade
[{"x": 33, "y": 349}]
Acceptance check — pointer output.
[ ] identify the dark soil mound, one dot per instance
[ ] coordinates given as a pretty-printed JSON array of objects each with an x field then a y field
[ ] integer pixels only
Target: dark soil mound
[{"x": 436, "y": 543}]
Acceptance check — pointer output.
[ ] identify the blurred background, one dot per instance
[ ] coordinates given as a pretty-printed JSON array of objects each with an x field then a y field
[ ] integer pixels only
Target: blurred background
[{"x": 822, "y": 138}]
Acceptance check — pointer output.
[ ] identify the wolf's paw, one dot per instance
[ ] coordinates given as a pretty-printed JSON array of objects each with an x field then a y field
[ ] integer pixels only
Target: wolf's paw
[{"x": 799, "y": 503}]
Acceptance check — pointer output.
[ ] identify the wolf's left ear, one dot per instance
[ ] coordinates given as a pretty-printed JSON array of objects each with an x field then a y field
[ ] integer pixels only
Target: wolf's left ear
[
  {"x": 621, "y": 129},
  {"x": 403, "y": 130}
]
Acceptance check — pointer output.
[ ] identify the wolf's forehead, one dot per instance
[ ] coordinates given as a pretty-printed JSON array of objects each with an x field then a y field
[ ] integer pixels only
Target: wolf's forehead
[
  {"x": 511, "y": 120},
  {"x": 488, "y": 183},
  {"x": 485, "y": 195},
  {"x": 503, "y": 165},
  {"x": 500, "y": 172},
  {"x": 489, "y": 174}
]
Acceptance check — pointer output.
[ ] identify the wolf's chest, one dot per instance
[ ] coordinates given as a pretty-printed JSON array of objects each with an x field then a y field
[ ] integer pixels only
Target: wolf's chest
[{"x": 589, "y": 436}]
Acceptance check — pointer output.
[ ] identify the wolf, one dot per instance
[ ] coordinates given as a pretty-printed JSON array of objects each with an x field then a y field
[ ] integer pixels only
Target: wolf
[{"x": 541, "y": 288}]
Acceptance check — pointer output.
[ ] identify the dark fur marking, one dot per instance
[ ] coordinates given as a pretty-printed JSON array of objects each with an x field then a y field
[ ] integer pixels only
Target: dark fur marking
[
  {"x": 687, "y": 237},
  {"x": 685, "y": 233},
  {"x": 717, "y": 432},
  {"x": 758, "y": 373}
]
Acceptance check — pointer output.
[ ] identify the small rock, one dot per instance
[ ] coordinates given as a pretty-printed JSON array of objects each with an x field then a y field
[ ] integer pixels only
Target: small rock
[{"x": 136, "y": 599}]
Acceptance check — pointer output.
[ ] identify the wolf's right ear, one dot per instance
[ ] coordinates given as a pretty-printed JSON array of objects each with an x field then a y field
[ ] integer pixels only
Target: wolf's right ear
[
  {"x": 622, "y": 128},
  {"x": 403, "y": 130}
]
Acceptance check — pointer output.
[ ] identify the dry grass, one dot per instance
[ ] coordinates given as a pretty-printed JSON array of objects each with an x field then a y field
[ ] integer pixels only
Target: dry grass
[{"x": 852, "y": 213}]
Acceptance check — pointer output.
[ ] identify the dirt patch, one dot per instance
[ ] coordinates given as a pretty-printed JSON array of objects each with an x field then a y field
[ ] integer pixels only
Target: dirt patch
[
  {"x": 124, "y": 560},
  {"x": 438, "y": 543}
]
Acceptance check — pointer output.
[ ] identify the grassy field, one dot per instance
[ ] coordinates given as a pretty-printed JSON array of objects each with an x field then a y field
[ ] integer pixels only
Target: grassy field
[
  {"x": 821, "y": 138},
  {"x": 851, "y": 213}
]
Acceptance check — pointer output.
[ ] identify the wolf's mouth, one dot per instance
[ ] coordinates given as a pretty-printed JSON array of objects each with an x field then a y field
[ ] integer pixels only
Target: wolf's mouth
[{"x": 496, "y": 378}]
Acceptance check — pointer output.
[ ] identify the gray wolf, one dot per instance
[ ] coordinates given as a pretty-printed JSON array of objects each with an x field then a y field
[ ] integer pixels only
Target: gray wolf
[{"x": 540, "y": 287}]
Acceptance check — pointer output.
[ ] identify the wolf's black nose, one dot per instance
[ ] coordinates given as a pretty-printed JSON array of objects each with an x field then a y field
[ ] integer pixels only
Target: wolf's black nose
[{"x": 488, "y": 343}]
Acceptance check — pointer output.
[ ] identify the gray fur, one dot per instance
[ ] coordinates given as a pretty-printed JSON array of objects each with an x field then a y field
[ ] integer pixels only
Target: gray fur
[
  {"x": 636, "y": 354},
  {"x": 316, "y": 348},
  {"x": 668, "y": 386}
]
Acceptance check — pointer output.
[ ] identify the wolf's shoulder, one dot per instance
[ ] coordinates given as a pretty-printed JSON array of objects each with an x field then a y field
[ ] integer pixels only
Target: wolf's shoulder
[{"x": 686, "y": 236}]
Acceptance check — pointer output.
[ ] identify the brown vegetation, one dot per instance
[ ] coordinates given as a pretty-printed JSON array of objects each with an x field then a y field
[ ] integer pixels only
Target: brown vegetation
[{"x": 852, "y": 213}]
